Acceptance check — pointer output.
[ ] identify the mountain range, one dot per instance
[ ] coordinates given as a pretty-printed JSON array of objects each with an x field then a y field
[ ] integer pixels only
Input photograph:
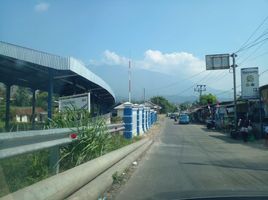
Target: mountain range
[{"x": 171, "y": 87}]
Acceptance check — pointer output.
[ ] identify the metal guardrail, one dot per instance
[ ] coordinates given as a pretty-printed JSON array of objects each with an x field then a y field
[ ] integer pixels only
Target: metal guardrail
[
  {"x": 73, "y": 183},
  {"x": 16, "y": 143}
]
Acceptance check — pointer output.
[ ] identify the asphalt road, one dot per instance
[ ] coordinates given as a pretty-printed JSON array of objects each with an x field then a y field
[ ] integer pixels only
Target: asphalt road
[{"x": 190, "y": 161}]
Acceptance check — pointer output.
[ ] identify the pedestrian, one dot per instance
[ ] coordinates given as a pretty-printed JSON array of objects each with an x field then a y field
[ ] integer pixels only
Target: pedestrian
[{"x": 245, "y": 129}]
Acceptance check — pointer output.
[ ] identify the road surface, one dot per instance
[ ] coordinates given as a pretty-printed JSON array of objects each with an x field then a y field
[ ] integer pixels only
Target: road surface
[{"x": 190, "y": 161}]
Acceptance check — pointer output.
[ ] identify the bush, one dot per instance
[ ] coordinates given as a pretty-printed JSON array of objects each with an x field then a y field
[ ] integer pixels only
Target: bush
[
  {"x": 93, "y": 141},
  {"x": 21, "y": 171},
  {"x": 116, "y": 119}
]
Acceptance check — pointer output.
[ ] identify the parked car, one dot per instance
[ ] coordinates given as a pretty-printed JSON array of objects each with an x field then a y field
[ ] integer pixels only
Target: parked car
[{"x": 184, "y": 119}]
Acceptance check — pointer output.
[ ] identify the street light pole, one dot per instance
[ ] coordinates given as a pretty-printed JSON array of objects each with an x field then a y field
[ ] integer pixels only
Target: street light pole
[{"x": 234, "y": 78}]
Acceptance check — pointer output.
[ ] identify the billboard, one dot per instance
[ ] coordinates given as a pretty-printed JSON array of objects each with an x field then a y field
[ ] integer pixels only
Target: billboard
[
  {"x": 217, "y": 61},
  {"x": 77, "y": 101},
  {"x": 250, "y": 83}
]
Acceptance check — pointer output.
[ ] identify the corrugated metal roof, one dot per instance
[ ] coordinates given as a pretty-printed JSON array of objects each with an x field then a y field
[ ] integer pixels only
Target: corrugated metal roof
[{"x": 52, "y": 61}]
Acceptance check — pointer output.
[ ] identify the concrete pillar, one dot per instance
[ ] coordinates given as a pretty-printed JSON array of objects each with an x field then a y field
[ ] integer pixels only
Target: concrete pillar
[
  {"x": 7, "y": 107},
  {"x": 54, "y": 152},
  {"x": 151, "y": 117},
  {"x": 147, "y": 118},
  {"x": 128, "y": 120},
  {"x": 149, "y": 123},
  {"x": 143, "y": 119},
  {"x": 138, "y": 118},
  {"x": 134, "y": 120},
  {"x": 154, "y": 116},
  {"x": 141, "y": 128},
  {"x": 50, "y": 94}
]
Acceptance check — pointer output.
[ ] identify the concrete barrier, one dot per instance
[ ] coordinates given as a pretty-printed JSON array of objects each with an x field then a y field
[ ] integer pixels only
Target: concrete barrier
[
  {"x": 66, "y": 183},
  {"x": 99, "y": 185}
]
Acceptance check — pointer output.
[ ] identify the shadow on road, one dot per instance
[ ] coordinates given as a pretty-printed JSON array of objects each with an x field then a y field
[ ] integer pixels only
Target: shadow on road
[
  {"x": 259, "y": 144},
  {"x": 210, "y": 195},
  {"x": 232, "y": 165}
]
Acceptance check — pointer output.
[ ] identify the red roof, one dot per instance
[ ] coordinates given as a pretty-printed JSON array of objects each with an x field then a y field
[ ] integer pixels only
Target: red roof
[{"x": 28, "y": 110}]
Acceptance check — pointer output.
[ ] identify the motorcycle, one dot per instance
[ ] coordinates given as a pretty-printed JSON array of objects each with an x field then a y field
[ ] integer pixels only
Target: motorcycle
[{"x": 211, "y": 124}]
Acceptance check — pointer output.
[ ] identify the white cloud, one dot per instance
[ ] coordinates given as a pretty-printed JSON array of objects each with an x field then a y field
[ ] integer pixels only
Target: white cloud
[
  {"x": 154, "y": 60},
  {"x": 111, "y": 58},
  {"x": 41, "y": 7},
  {"x": 171, "y": 63}
]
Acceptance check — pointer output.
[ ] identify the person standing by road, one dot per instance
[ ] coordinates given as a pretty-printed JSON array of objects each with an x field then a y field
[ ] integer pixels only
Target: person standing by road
[{"x": 245, "y": 124}]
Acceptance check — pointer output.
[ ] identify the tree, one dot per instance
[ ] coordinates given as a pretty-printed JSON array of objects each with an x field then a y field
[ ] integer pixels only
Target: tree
[
  {"x": 166, "y": 106},
  {"x": 208, "y": 99},
  {"x": 184, "y": 106},
  {"x": 41, "y": 100},
  {"x": 22, "y": 97}
]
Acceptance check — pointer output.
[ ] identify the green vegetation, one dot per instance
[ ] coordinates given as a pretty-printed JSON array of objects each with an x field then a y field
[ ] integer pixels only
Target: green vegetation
[
  {"x": 184, "y": 106},
  {"x": 22, "y": 97},
  {"x": 117, "y": 119},
  {"x": 208, "y": 99},
  {"x": 93, "y": 141},
  {"x": 21, "y": 171},
  {"x": 117, "y": 178},
  {"x": 166, "y": 106},
  {"x": 41, "y": 100}
]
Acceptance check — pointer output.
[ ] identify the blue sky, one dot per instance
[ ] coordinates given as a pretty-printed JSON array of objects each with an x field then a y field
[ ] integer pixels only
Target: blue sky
[{"x": 170, "y": 37}]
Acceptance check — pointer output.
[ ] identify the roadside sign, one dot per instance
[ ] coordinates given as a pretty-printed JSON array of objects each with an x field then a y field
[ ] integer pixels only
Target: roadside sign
[
  {"x": 250, "y": 83},
  {"x": 217, "y": 61},
  {"x": 77, "y": 101}
]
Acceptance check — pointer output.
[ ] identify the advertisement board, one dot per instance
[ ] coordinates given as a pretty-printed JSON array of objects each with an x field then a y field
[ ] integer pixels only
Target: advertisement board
[
  {"x": 76, "y": 101},
  {"x": 250, "y": 83},
  {"x": 217, "y": 61}
]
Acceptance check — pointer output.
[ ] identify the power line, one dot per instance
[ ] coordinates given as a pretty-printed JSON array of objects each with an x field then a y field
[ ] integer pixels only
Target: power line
[
  {"x": 174, "y": 83},
  {"x": 230, "y": 90},
  {"x": 254, "y": 44},
  {"x": 226, "y": 91},
  {"x": 200, "y": 89},
  {"x": 266, "y": 52},
  {"x": 242, "y": 46},
  {"x": 263, "y": 72},
  {"x": 256, "y": 40},
  {"x": 220, "y": 76},
  {"x": 258, "y": 48},
  {"x": 181, "y": 92}
]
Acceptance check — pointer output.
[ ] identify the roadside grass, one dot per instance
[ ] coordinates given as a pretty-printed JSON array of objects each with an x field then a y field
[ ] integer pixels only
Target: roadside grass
[
  {"x": 93, "y": 141},
  {"x": 21, "y": 171},
  {"x": 2, "y": 126}
]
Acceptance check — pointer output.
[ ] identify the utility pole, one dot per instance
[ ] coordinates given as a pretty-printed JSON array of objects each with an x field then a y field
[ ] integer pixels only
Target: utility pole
[
  {"x": 234, "y": 78},
  {"x": 200, "y": 89},
  {"x": 129, "y": 81}
]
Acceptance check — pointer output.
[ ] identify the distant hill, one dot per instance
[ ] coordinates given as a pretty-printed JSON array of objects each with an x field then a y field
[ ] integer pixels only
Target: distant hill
[{"x": 154, "y": 83}]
